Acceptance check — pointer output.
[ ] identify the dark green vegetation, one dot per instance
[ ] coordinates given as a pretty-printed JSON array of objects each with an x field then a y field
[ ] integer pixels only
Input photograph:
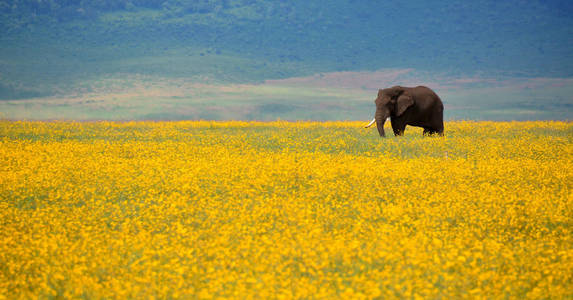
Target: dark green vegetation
[{"x": 70, "y": 47}]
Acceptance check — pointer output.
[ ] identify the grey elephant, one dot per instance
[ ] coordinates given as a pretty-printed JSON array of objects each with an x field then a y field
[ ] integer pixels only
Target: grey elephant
[{"x": 415, "y": 106}]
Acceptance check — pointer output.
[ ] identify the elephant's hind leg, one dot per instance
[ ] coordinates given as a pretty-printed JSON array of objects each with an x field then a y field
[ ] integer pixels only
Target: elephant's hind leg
[
  {"x": 427, "y": 131},
  {"x": 440, "y": 129},
  {"x": 437, "y": 126},
  {"x": 431, "y": 131}
]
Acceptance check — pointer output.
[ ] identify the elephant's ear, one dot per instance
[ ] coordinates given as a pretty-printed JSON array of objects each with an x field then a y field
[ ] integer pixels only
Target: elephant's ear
[{"x": 403, "y": 103}]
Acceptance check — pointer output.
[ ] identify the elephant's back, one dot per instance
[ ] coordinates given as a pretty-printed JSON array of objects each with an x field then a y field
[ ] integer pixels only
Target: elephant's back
[{"x": 425, "y": 92}]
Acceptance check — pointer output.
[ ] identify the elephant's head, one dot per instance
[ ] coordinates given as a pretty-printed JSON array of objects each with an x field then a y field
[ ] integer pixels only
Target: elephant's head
[{"x": 391, "y": 102}]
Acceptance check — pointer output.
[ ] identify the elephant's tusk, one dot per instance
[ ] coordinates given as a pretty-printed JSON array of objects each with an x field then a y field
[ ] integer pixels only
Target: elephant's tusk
[{"x": 370, "y": 124}]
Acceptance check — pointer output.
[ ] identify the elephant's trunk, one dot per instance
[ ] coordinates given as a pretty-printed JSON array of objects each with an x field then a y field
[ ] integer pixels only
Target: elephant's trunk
[{"x": 380, "y": 118}]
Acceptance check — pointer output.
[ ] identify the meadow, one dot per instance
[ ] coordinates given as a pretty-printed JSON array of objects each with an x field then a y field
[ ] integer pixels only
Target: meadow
[{"x": 316, "y": 210}]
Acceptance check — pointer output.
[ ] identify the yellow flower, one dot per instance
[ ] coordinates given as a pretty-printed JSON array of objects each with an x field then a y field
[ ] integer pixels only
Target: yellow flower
[{"x": 284, "y": 209}]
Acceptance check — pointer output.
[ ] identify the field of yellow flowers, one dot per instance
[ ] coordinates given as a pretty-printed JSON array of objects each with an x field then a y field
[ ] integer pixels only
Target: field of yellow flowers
[{"x": 203, "y": 210}]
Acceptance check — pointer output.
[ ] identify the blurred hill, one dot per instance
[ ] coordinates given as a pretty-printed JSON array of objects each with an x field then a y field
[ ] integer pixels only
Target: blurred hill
[{"x": 58, "y": 47}]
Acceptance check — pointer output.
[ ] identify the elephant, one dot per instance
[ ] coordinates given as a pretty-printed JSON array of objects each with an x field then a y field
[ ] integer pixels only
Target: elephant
[{"x": 415, "y": 106}]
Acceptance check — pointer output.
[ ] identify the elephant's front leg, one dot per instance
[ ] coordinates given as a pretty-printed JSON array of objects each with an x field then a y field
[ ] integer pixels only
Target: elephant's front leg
[{"x": 398, "y": 127}]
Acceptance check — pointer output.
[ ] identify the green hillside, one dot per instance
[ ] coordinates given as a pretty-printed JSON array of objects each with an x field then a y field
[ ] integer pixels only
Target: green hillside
[{"x": 57, "y": 48}]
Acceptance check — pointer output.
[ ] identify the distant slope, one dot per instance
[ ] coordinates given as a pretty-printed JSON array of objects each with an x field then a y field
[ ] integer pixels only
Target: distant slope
[
  {"x": 61, "y": 49},
  {"x": 326, "y": 96}
]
